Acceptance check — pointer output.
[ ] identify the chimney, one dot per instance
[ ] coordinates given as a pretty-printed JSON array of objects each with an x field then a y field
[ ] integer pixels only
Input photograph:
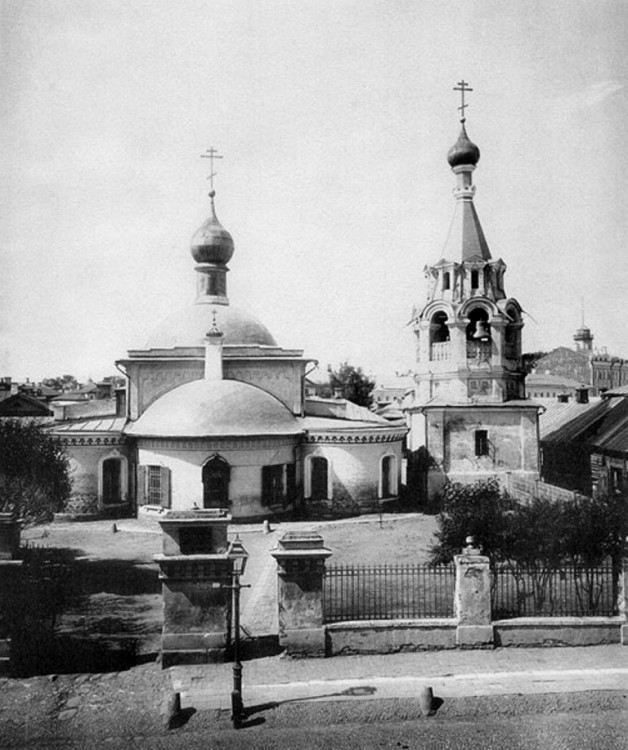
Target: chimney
[
  {"x": 582, "y": 395},
  {"x": 213, "y": 352},
  {"x": 337, "y": 392}
]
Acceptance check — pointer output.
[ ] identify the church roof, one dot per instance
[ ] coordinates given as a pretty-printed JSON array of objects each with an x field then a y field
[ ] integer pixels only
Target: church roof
[
  {"x": 188, "y": 328},
  {"x": 215, "y": 408},
  {"x": 103, "y": 424},
  {"x": 466, "y": 238},
  {"x": 339, "y": 408}
]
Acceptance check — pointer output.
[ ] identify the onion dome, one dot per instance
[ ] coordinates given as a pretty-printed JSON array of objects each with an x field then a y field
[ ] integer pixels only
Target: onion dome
[
  {"x": 463, "y": 151},
  {"x": 212, "y": 243},
  {"x": 212, "y": 408}
]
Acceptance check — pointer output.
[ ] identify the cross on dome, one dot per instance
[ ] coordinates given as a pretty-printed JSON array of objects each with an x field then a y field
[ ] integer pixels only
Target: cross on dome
[
  {"x": 211, "y": 154},
  {"x": 462, "y": 87}
]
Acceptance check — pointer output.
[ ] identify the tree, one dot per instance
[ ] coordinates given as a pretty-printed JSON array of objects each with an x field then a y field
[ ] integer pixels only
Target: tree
[
  {"x": 62, "y": 383},
  {"x": 34, "y": 471},
  {"x": 481, "y": 510},
  {"x": 529, "y": 360},
  {"x": 353, "y": 383}
]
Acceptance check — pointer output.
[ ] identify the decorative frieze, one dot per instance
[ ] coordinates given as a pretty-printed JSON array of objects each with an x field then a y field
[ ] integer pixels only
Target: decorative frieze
[
  {"x": 222, "y": 444},
  {"x": 329, "y": 437},
  {"x": 93, "y": 440}
]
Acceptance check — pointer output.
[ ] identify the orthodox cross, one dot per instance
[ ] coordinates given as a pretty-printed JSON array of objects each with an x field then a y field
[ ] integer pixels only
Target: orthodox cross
[
  {"x": 211, "y": 154},
  {"x": 462, "y": 87}
]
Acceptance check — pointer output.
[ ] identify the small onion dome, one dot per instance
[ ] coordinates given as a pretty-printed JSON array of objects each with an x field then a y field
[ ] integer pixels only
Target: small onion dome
[
  {"x": 463, "y": 151},
  {"x": 212, "y": 243},
  {"x": 215, "y": 408}
]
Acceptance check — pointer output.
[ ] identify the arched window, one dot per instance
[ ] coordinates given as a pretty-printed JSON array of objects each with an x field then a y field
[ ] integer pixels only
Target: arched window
[
  {"x": 388, "y": 477},
  {"x": 216, "y": 475},
  {"x": 319, "y": 478},
  {"x": 112, "y": 481},
  {"x": 439, "y": 330}
]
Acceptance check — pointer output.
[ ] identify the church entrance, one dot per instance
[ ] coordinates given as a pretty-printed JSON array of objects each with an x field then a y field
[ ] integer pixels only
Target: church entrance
[{"x": 216, "y": 473}]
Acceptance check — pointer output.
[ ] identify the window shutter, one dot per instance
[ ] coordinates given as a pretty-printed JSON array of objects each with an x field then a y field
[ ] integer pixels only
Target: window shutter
[
  {"x": 142, "y": 479},
  {"x": 165, "y": 487},
  {"x": 266, "y": 485}
]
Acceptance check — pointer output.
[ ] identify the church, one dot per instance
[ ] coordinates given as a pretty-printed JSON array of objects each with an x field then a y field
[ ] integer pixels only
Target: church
[
  {"x": 216, "y": 416},
  {"x": 469, "y": 418}
]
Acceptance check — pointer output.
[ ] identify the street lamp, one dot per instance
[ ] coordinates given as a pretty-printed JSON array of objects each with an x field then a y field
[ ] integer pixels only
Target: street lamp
[{"x": 238, "y": 556}]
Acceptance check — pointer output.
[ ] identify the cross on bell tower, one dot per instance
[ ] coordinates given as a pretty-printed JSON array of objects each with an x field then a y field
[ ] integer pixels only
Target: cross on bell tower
[{"x": 211, "y": 154}]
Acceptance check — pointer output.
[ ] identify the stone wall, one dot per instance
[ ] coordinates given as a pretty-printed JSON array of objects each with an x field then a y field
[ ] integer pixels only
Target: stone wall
[{"x": 525, "y": 489}]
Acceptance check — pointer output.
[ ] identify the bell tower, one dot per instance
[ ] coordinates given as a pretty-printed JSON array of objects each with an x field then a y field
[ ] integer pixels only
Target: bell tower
[
  {"x": 468, "y": 332},
  {"x": 469, "y": 419}
]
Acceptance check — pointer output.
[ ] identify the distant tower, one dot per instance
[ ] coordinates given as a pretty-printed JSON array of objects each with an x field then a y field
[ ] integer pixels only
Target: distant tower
[
  {"x": 584, "y": 339},
  {"x": 469, "y": 419},
  {"x": 583, "y": 336}
]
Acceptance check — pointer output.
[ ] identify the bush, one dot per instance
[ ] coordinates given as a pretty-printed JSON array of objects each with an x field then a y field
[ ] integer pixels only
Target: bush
[
  {"x": 541, "y": 534},
  {"x": 34, "y": 472}
]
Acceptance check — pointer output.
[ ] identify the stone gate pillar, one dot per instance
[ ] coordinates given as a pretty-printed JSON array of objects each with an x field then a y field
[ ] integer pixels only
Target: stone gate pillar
[
  {"x": 473, "y": 599},
  {"x": 195, "y": 572},
  {"x": 10, "y": 580},
  {"x": 301, "y": 559}
]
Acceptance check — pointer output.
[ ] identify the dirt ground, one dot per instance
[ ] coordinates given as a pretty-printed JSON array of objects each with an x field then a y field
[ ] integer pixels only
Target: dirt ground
[{"x": 119, "y": 620}]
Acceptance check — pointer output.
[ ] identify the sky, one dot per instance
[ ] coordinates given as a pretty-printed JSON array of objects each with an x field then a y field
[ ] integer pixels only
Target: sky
[{"x": 334, "y": 119}]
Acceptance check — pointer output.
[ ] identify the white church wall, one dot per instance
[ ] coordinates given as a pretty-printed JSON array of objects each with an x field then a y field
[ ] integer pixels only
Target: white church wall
[
  {"x": 245, "y": 482},
  {"x": 355, "y": 471}
]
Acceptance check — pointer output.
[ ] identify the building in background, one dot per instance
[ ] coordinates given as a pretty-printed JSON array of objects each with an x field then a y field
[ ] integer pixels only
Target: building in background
[{"x": 592, "y": 367}]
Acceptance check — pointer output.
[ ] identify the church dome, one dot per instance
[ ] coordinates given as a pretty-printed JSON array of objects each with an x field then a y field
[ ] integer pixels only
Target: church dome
[
  {"x": 188, "y": 328},
  {"x": 214, "y": 408},
  {"x": 463, "y": 151},
  {"x": 212, "y": 243}
]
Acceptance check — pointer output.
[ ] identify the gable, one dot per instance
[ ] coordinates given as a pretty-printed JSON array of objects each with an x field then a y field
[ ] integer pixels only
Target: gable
[{"x": 20, "y": 405}]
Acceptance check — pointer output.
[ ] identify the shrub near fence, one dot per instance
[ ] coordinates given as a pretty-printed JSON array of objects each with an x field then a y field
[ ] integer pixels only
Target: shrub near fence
[
  {"x": 568, "y": 591},
  {"x": 388, "y": 592}
]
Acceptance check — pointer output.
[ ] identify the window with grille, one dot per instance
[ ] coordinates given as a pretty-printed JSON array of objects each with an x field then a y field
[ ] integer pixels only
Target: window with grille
[{"x": 153, "y": 485}]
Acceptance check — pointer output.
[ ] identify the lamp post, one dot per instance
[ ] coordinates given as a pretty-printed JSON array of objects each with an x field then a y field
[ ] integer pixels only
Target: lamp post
[{"x": 238, "y": 556}]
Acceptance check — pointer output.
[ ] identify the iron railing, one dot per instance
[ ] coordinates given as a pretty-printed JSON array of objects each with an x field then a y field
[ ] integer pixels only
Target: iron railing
[
  {"x": 567, "y": 591},
  {"x": 387, "y": 592}
]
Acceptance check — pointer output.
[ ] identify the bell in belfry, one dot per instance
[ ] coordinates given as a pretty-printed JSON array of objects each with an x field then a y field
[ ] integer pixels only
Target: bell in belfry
[{"x": 481, "y": 331}]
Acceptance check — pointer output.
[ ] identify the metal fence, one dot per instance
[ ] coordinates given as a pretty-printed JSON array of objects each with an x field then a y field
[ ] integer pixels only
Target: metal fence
[
  {"x": 387, "y": 592},
  {"x": 568, "y": 591}
]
